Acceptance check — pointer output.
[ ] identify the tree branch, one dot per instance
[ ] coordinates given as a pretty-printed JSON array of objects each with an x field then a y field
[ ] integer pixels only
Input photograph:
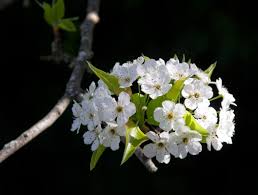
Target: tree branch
[{"x": 73, "y": 90}]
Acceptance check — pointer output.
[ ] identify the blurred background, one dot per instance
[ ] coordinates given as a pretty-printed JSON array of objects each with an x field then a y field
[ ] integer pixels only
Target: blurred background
[{"x": 57, "y": 161}]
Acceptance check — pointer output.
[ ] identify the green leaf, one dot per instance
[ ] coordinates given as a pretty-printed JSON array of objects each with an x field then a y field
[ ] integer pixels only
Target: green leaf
[
  {"x": 67, "y": 24},
  {"x": 146, "y": 58},
  {"x": 95, "y": 156},
  {"x": 110, "y": 80},
  {"x": 175, "y": 91},
  {"x": 139, "y": 101},
  {"x": 194, "y": 125},
  {"x": 133, "y": 139},
  {"x": 209, "y": 70},
  {"x": 48, "y": 14},
  {"x": 151, "y": 107},
  {"x": 58, "y": 10},
  {"x": 183, "y": 59}
]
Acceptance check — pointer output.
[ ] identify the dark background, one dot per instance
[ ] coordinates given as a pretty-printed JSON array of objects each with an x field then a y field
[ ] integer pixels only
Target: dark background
[{"x": 57, "y": 161}]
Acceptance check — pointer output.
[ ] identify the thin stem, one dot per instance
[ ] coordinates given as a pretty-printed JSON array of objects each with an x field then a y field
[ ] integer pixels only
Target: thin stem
[{"x": 217, "y": 97}]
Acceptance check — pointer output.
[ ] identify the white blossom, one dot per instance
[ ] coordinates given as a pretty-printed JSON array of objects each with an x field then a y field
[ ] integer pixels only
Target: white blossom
[
  {"x": 92, "y": 138},
  {"x": 110, "y": 136},
  {"x": 178, "y": 70},
  {"x": 196, "y": 93},
  {"x": 88, "y": 96},
  {"x": 212, "y": 139},
  {"x": 121, "y": 110},
  {"x": 161, "y": 148},
  {"x": 226, "y": 127},
  {"x": 170, "y": 115},
  {"x": 89, "y": 115},
  {"x": 228, "y": 98},
  {"x": 77, "y": 110},
  {"x": 155, "y": 79},
  {"x": 126, "y": 73},
  {"x": 205, "y": 115},
  {"x": 187, "y": 141}
]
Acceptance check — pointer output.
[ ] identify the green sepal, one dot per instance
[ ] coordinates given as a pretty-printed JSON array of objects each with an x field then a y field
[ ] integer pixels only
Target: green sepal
[
  {"x": 133, "y": 139},
  {"x": 153, "y": 104},
  {"x": 67, "y": 24},
  {"x": 110, "y": 80},
  {"x": 191, "y": 122},
  {"x": 175, "y": 91},
  {"x": 95, "y": 156},
  {"x": 210, "y": 70}
]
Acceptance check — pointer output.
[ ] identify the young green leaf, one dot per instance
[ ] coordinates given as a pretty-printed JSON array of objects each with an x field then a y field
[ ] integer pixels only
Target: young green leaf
[
  {"x": 110, "y": 80},
  {"x": 48, "y": 14},
  {"x": 133, "y": 139},
  {"x": 175, "y": 91},
  {"x": 194, "y": 125},
  {"x": 95, "y": 156},
  {"x": 58, "y": 10},
  {"x": 67, "y": 24},
  {"x": 146, "y": 58},
  {"x": 139, "y": 101},
  {"x": 209, "y": 70},
  {"x": 151, "y": 107}
]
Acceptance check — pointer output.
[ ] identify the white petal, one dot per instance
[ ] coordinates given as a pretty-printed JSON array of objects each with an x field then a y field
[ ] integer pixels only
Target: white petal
[
  {"x": 122, "y": 119},
  {"x": 163, "y": 156},
  {"x": 89, "y": 137},
  {"x": 216, "y": 144},
  {"x": 123, "y": 99},
  {"x": 173, "y": 149},
  {"x": 115, "y": 143},
  {"x": 179, "y": 110},
  {"x": 159, "y": 114},
  {"x": 130, "y": 109},
  {"x": 164, "y": 136},
  {"x": 76, "y": 125},
  {"x": 166, "y": 125},
  {"x": 182, "y": 151},
  {"x": 152, "y": 136},
  {"x": 168, "y": 105},
  {"x": 150, "y": 150},
  {"x": 190, "y": 103},
  {"x": 194, "y": 148},
  {"x": 95, "y": 145}
]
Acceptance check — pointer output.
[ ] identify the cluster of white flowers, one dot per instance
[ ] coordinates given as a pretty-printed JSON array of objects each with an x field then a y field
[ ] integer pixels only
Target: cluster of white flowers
[{"x": 106, "y": 117}]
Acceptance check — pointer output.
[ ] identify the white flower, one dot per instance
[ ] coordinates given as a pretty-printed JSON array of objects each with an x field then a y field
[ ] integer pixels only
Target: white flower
[
  {"x": 212, "y": 139},
  {"x": 92, "y": 137},
  {"x": 155, "y": 79},
  {"x": 77, "y": 110},
  {"x": 89, "y": 116},
  {"x": 206, "y": 115},
  {"x": 178, "y": 70},
  {"x": 121, "y": 110},
  {"x": 88, "y": 96},
  {"x": 161, "y": 148},
  {"x": 204, "y": 77},
  {"x": 110, "y": 137},
  {"x": 102, "y": 90},
  {"x": 228, "y": 98},
  {"x": 187, "y": 141},
  {"x": 196, "y": 93},
  {"x": 126, "y": 74},
  {"x": 226, "y": 128},
  {"x": 170, "y": 115}
]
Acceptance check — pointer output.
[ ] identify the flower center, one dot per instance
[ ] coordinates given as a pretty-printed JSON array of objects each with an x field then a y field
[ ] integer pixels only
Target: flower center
[
  {"x": 160, "y": 145},
  {"x": 157, "y": 86},
  {"x": 204, "y": 117},
  {"x": 127, "y": 79},
  {"x": 112, "y": 131},
  {"x": 196, "y": 95},
  {"x": 185, "y": 140},
  {"x": 119, "y": 108},
  {"x": 91, "y": 116},
  {"x": 170, "y": 115}
]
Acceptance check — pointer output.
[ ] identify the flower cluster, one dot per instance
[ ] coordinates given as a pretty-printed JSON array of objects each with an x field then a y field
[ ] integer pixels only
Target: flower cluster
[{"x": 172, "y": 111}]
